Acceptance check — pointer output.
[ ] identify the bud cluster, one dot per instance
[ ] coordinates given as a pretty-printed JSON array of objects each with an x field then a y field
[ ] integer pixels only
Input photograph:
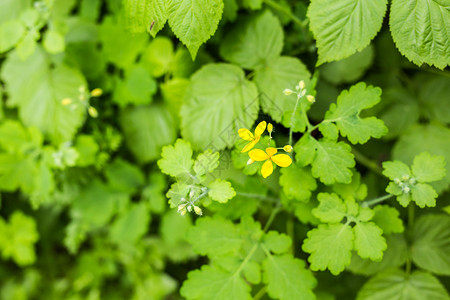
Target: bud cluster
[
  {"x": 83, "y": 99},
  {"x": 405, "y": 183},
  {"x": 301, "y": 91}
]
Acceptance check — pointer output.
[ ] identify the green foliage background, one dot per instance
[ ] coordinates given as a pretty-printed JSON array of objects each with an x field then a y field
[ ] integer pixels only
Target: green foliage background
[{"x": 91, "y": 181}]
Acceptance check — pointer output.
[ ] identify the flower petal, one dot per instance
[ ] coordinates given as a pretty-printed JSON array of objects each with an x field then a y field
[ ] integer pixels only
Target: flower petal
[
  {"x": 267, "y": 168},
  {"x": 249, "y": 146},
  {"x": 271, "y": 151},
  {"x": 282, "y": 160},
  {"x": 258, "y": 155},
  {"x": 260, "y": 128},
  {"x": 245, "y": 134}
]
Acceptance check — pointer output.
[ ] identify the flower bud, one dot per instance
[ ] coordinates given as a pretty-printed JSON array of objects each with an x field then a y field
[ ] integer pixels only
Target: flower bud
[
  {"x": 198, "y": 210},
  {"x": 311, "y": 98},
  {"x": 183, "y": 212},
  {"x": 96, "y": 92},
  {"x": 250, "y": 161},
  {"x": 66, "y": 101},
  {"x": 288, "y": 148},
  {"x": 301, "y": 84},
  {"x": 181, "y": 207},
  {"x": 406, "y": 189},
  {"x": 288, "y": 92},
  {"x": 270, "y": 128},
  {"x": 191, "y": 193},
  {"x": 92, "y": 112}
]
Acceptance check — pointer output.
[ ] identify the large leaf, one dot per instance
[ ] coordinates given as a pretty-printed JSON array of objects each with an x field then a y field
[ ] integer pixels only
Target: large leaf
[
  {"x": 194, "y": 21},
  {"x": 219, "y": 102},
  {"x": 343, "y": 27},
  {"x": 421, "y": 30},
  {"x": 254, "y": 41},
  {"x": 431, "y": 245},
  {"x": 146, "y": 15},
  {"x": 397, "y": 285},
  {"x": 275, "y": 76},
  {"x": 37, "y": 90}
]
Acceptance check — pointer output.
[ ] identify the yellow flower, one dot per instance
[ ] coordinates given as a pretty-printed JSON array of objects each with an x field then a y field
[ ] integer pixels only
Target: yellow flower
[
  {"x": 281, "y": 160},
  {"x": 248, "y": 136}
]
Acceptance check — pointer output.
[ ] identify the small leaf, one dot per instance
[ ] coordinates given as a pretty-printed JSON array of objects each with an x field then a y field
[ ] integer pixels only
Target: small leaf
[
  {"x": 212, "y": 283},
  {"x": 424, "y": 195},
  {"x": 287, "y": 278},
  {"x": 206, "y": 162},
  {"x": 277, "y": 242},
  {"x": 369, "y": 242},
  {"x": 387, "y": 218},
  {"x": 297, "y": 182},
  {"x": 318, "y": 244},
  {"x": 331, "y": 208},
  {"x": 177, "y": 159},
  {"x": 427, "y": 168},
  {"x": 346, "y": 114},
  {"x": 221, "y": 190}
]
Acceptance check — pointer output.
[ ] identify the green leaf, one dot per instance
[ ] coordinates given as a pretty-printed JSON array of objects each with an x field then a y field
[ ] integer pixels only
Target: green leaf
[
  {"x": 158, "y": 57},
  {"x": 10, "y": 34},
  {"x": 212, "y": 283},
  {"x": 118, "y": 45},
  {"x": 219, "y": 102},
  {"x": 276, "y": 242},
  {"x": 369, "y": 242},
  {"x": 343, "y": 27},
  {"x": 17, "y": 238},
  {"x": 137, "y": 87},
  {"x": 194, "y": 21},
  {"x": 433, "y": 98},
  {"x": 176, "y": 159},
  {"x": 206, "y": 162},
  {"x": 397, "y": 285},
  {"x": 88, "y": 148},
  {"x": 252, "y": 272},
  {"x": 297, "y": 182},
  {"x": 254, "y": 41},
  {"x": 287, "y": 278},
  {"x": 421, "y": 31},
  {"x": 146, "y": 130},
  {"x": 40, "y": 103},
  {"x": 395, "y": 170},
  {"x": 214, "y": 237},
  {"x": 427, "y": 168},
  {"x": 424, "y": 195},
  {"x": 147, "y": 15},
  {"x": 17, "y": 172},
  {"x": 131, "y": 225},
  {"x": 350, "y": 69},
  {"x": 221, "y": 190},
  {"x": 123, "y": 176},
  {"x": 275, "y": 76},
  {"x": 318, "y": 244},
  {"x": 394, "y": 256},
  {"x": 387, "y": 218},
  {"x": 432, "y": 138},
  {"x": 346, "y": 114},
  {"x": 11, "y": 9},
  {"x": 331, "y": 208},
  {"x": 332, "y": 162},
  {"x": 54, "y": 42},
  {"x": 431, "y": 243}
]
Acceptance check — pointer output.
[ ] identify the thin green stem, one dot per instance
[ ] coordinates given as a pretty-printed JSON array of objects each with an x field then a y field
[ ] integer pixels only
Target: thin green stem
[
  {"x": 368, "y": 163},
  {"x": 292, "y": 119},
  {"x": 246, "y": 259},
  {"x": 272, "y": 216},
  {"x": 290, "y": 232},
  {"x": 260, "y": 293},
  {"x": 411, "y": 216},
  {"x": 258, "y": 196},
  {"x": 376, "y": 200},
  {"x": 288, "y": 13}
]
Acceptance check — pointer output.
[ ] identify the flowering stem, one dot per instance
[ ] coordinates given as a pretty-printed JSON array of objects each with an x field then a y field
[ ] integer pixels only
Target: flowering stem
[
  {"x": 292, "y": 120},
  {"x": 376, "y": 200},
  {"x": 257, "y": 196},
  {"x": 260, "y": 293},
  {"x": 288, "y": 13},
  {"x": 411, "y": 213},
  {"x": 368, "y": 163}
]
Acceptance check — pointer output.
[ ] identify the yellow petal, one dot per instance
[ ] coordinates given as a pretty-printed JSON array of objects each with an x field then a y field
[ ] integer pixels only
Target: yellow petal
[
  {"x": 260, "y": 128},
  {"x": 245, "y": 134},
  {"x": 249, "y": 146},
  {"x": 267, "y": 168},
  {"x": 258, "y": 155},
  {"x": 271, "y": 151},
  {"x": 282, "y": 160}
]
